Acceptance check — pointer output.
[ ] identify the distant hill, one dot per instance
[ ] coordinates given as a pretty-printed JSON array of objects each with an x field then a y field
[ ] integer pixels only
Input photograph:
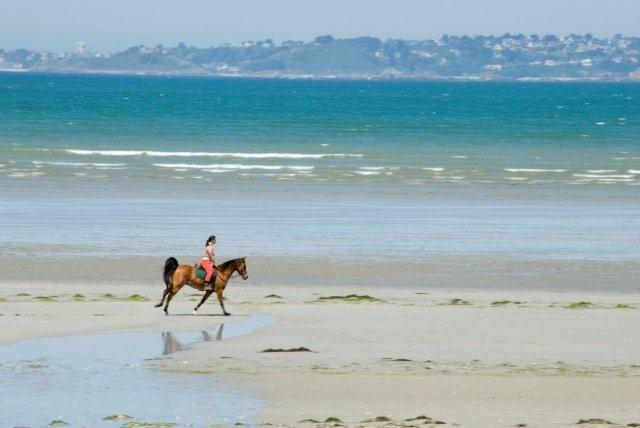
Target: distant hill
[{"x": 506, "y": 57}]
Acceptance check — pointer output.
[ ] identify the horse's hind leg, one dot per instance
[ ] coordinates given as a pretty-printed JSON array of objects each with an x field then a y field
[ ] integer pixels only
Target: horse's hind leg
[
  {"x": 173, "y": 291},
  {"x": 204, "y": 298},
  {"x": 164, "y": 294},
  {"x": 166, "y": 306}
]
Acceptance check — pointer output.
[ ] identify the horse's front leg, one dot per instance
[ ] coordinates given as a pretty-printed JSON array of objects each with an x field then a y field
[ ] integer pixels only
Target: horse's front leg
[
  {"x": 204, "y": 298},
  {"x": 221, "y": 300}
]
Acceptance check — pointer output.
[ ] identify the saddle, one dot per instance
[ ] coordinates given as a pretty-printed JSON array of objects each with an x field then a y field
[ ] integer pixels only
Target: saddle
[{"x": 200, "y": 273}]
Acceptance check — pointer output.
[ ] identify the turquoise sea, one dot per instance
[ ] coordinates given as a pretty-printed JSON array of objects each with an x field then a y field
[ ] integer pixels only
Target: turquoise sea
[{"x": 139, "y": 165}]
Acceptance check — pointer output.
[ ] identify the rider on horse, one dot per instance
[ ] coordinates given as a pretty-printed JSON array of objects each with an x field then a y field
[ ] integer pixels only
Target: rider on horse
[{"x": 207, "y": 263}]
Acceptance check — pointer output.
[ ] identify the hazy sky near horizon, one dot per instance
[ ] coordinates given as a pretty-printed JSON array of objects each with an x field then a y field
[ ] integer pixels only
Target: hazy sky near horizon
[{"x": 111, "y": 25}]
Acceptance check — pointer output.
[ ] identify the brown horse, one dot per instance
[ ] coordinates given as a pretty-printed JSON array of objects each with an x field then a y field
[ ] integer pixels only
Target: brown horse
[{"x": 176, "y": 276}]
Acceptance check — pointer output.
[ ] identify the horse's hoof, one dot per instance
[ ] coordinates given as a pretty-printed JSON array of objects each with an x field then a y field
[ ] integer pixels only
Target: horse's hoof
[
  {"x": 226, "y": 314},
  {"x": 158, "y": 305},
  {"x": 194, "y": 312}
]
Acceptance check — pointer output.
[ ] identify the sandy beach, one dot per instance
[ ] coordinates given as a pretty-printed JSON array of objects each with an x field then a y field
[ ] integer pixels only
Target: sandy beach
[{"x": 473, "y": 358}]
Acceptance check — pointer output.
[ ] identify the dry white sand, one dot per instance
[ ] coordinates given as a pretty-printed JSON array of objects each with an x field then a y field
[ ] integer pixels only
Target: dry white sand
[{"x": 473, "y": 363}]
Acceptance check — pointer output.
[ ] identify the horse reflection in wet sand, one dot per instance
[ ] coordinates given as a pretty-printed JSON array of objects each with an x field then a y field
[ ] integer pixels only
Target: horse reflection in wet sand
[
  {"x": 171, "y": 344},
  {"x": 176, "y": 276}
]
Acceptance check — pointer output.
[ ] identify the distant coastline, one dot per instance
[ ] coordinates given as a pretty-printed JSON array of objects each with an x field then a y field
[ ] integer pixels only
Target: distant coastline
[
  {"x": 346, "y": 77},
  {"x": 508, "y": 57}
]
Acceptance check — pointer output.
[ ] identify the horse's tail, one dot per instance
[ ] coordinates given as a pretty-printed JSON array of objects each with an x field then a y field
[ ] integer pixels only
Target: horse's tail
[{"x": 170, "y": 266}]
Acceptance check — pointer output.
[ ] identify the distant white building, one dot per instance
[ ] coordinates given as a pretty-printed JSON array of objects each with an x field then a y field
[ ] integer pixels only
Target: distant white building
[{"x": 81, "y": 48}]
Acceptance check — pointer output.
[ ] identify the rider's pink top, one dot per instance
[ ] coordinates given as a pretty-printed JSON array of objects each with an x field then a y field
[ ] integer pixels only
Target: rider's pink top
[{"x": 208, "y": 253}]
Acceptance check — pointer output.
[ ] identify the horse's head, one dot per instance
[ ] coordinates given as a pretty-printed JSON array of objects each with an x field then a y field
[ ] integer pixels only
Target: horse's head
[{"x": 241, "y": 267}]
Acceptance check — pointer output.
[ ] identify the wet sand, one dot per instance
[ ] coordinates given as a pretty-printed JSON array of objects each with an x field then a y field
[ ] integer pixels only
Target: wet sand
[
  {"x": 474, "y": 358},
  {"x": 430, "y": 272}
]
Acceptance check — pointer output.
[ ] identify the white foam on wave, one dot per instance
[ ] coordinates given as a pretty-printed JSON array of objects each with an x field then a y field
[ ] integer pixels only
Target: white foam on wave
[
  {"x": 459, "y": 157},
  {"x": 633, "y": 171},
  {"x": 368, "y": 172},
  {"x": 379, "y": 168},
  {"x": 77, "y": 163},
  {"x": 597, "y": 176},
  {"x": 534, "y": 170},
  {"x": 231, "y": 166},
  {"x": 25, "y": 174},
  {"x": 434, "y": 169},
  {"x": 627, "y": 158},
  {"x": 217, "y": 171},
  {"x": 238, "y": 155},
  {"x": 615, "y": 180},
  {"x": 289, "y": 175},
  {"x": 601, "y": 171}
]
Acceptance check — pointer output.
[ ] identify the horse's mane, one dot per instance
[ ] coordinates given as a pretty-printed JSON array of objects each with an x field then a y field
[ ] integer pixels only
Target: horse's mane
[{"x": 227, "y": 263}]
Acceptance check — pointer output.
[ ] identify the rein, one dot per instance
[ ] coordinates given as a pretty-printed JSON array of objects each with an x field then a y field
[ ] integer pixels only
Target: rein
[{"x": 228, "y": 276}]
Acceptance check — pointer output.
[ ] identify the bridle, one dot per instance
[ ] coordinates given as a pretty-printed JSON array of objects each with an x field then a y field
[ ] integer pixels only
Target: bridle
[{"x": 235, "y": 269}]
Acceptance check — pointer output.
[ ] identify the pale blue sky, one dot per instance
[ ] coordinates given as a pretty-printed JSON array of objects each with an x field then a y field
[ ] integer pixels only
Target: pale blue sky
[{"x": 110, "y": 25}]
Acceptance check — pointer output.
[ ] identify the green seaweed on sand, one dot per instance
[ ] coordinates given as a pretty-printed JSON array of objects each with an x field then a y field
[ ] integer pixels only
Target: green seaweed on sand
[
  {"x": 425, "y": 420},
  {"x": 23, "y": 295},
  {"x": 300, "y": 349},
  {"x": 131, "y": 298},
  {"x": 594, "y": 421},
  {"x": 78, "y": 296},
  {"x": 350, "y": 298},
  {"x": 377, "y": 419},
  {"x": 580, "y": 305},
  {"x": 153, "y": 424},
  {"x": 505, "y": 302},
  {"x": 57, "y": 422},
  {"x": 624, "y": 306},
  {"x": 332, "y": 419},
  {"x": 273, "y": 296},
  {"x": 457, "y": 302},
  {"x": 3, "y": 300},
  {"x": 45, "y": 298},
  {"x": 136, "y": 298},
  {"x": 117, "y": 417}
]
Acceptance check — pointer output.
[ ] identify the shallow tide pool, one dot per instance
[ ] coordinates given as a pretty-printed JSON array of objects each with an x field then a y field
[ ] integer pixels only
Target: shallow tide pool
[{"x": 82, "y": 380}]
